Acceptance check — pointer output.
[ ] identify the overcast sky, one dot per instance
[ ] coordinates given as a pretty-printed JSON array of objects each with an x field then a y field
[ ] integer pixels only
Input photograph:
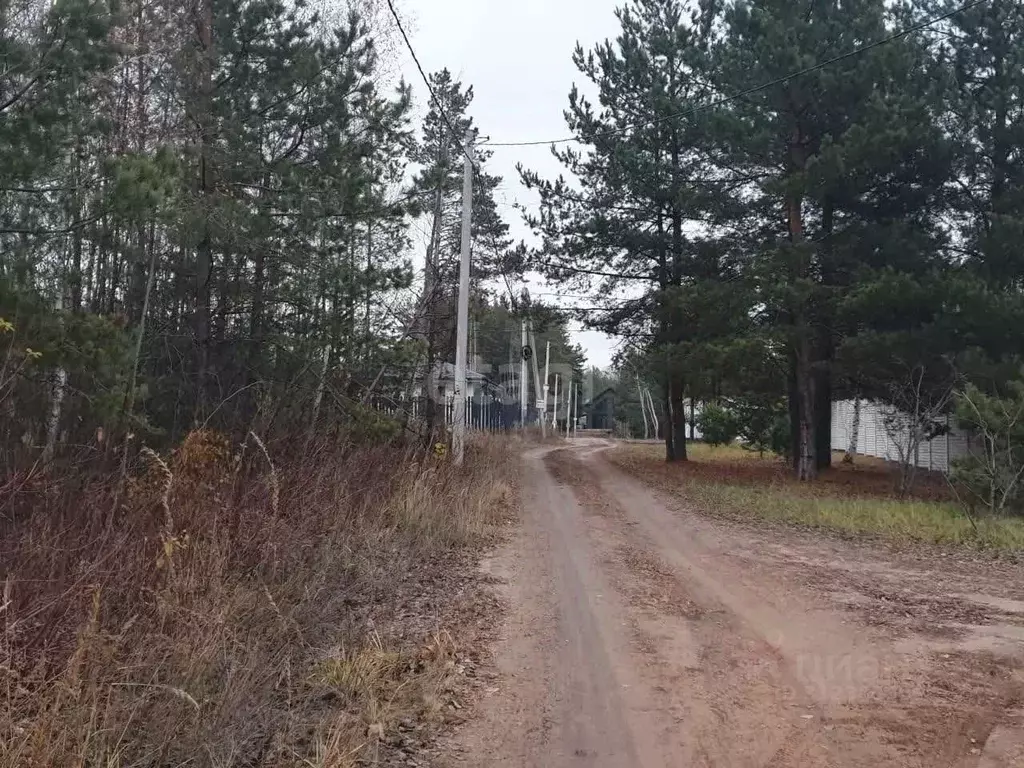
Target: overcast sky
[{"x": 517, "y": 54}]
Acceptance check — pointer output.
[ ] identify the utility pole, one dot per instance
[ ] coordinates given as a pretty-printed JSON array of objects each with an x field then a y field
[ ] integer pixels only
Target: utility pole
[
  {"x": 542, "y": 406},
  {"x": 568, "y": 410},
  {"x": 462, "y": 328},
  {"x": 575, "y": 408},
  {"x": 522, "y": 380},
  {"x": 554, "y": 415},
  {"x": 575, "y": 411},
  {"x": 547, "y": 373}
]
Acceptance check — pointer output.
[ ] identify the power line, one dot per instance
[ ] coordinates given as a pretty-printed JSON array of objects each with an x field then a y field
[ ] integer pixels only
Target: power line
[
  {"x": 426, "y": 81},
  {"x": 742, "y": 94},
  {"x": 598, "y": 272},
  {"x": 555, "y": 294},
  {"x": 586, "y": 309}
]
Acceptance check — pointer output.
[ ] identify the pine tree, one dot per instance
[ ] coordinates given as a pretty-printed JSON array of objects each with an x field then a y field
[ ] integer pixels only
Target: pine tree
[
  {"x": 646, "y": 197},
  {"x": 984, "y": 48},
  {"x": 233, "y": 215},
  {"x": 850, "y": 153}
]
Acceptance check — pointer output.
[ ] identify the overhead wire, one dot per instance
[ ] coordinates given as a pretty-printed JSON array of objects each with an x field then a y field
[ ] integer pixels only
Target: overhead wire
[
  {"x": 430, "y": 87},
  {"x": 684, "y": 113},
  {"x": 755, "y": 89}
]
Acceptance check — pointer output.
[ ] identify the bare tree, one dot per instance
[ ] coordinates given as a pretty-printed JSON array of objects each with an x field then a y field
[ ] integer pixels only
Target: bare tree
[
  {"x": 654, "y": 414},
  {"x": 643, "y": 407},
  {"x": 914, "y": 413}
]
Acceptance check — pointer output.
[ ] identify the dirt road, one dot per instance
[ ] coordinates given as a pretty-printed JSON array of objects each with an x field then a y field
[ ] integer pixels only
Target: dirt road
[{"x": 641, "y": 633}]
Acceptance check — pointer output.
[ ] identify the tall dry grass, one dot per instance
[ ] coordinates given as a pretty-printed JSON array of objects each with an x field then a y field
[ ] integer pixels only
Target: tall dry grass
[{"x": 226, "y": 607}]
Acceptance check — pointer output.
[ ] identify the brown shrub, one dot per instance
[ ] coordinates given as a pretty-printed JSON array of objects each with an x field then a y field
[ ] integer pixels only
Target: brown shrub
[{"x": 193, "y": 622}]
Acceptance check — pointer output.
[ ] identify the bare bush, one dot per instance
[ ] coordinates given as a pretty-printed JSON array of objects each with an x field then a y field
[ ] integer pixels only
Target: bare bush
[
  {"x": 197, "y": 624},
  {"x": 914, "y": 413},
  {"x": 990, "y": 475}
]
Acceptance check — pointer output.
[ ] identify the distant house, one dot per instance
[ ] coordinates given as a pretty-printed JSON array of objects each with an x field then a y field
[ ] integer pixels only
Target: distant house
[
  {"x": 488, "y": 404},
  {"x": 477, "y": 385},
  {"x": 600, "y": 411}
]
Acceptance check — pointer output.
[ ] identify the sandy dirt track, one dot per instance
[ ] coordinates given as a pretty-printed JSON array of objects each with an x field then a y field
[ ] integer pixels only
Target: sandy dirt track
[{"x": 642, "y": 633}]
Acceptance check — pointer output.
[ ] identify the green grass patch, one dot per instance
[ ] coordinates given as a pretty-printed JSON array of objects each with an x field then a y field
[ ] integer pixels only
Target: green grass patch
[
  {"x": 697, "y": 451},
  {"x": 726, "y": 480},
  {"x": 927, "y": 521}
]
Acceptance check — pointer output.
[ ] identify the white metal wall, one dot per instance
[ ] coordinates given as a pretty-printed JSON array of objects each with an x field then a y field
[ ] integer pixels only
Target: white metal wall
[{"x": 872, "y": 439}]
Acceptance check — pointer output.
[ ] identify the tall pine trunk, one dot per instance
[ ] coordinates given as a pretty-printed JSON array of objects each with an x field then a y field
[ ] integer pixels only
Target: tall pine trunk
[
  {"x": 677, "y": 420},
  {"x": 805, "y": 448},
  {"x": 823, "y": 417},
  {"x": 793, "y": 403},
  {"x": 58, "y": 387},
  {"x": 368, "y": 283},
  {"x": 75, "y": 278},
  {"x": 670, "y": 445},
  {"x": 803, "y": 397},
  {"x": 431, "y": 301},
  {"x": 826, "y": 347},
  {"x": 204, "y": 250}
]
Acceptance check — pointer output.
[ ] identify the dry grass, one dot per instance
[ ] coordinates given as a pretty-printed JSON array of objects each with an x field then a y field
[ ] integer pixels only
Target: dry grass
[
  {"x": 237, "y": 608},
  {"x": 855, "y": 499},
  {"x": 868, "y": 477},
  {"x": 388, "y": 689}
]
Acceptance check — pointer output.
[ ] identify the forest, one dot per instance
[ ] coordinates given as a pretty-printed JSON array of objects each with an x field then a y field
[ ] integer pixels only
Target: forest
[
  {"x": 209, "y": 216},
  {"x": 780, "y": 205}
]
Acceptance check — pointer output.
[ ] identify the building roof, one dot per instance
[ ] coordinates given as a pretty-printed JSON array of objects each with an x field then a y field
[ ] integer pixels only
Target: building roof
[
  {"x": 601, "y": 395},
  {"x": 447, "y": 373}
]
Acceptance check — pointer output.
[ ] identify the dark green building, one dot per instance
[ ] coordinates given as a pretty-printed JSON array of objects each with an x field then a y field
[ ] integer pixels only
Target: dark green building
[{"x": 600, "y": 411}]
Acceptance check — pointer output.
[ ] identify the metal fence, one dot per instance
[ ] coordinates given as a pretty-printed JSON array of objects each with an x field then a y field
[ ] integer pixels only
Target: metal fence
[
  {"x": 485, "y": 412},
  {"x": 874, "y": 440}
]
